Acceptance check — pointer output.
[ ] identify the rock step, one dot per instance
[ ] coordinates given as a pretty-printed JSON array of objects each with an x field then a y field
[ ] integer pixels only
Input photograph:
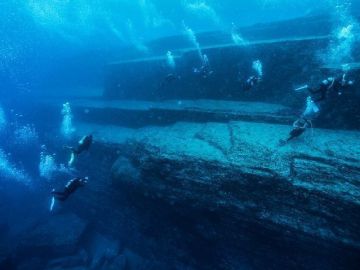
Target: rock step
[
  {"x": 310, "y": 185},
  {"x": 136, "y": 114},
  {"x": 178, "y": 53}
]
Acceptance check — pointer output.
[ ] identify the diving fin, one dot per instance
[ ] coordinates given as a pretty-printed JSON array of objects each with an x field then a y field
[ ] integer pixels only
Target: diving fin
[
  {"x": 72, "y": 159},
  {"x": 301, "y": 88},
  {"x": 52, "y": 203}
]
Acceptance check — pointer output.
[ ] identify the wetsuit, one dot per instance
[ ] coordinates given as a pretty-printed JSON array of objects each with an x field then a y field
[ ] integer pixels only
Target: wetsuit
[
  {"x": 300, "y": 126},
  {"x": 336, "y": 85},
  {"x": 169, "y": 79},
  {"x": 70, "y": 188},
  {"x": 205, "y": 69},
  {"x": 84, "y": 145},
  {"x": 251, "y": 82}
]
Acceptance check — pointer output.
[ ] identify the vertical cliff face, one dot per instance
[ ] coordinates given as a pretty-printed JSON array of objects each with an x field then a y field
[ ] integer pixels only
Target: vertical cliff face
[
  {"x": 292, "y": 54},
  {"x": 206, "y": 184},
  {"x": 194, "y": 183},
  {"x": 286, "y": 62},
  {"x": 232, "y": 166},
  {"x": 230, "y": 193}
]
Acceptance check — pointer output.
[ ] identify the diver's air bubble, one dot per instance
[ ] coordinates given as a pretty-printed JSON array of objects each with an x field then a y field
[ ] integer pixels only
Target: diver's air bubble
[
  {"x": 236, "y": 37},
  {"x": 345, "y": 35},
  {"x": 25, "y": 135},
  {"x": 9, "y": 171},
  {"x": 67, "y": 128},
  {"x": 258, "y": 67},
  {"x": 311, "y": 108},
  {"x": 203, "y": 10},
  {"x": 205, "y": 60},
  {"x": 192, "y": 38},
  {"x": 345, "y": 68},
  {"x": 47, "y": 165},
  {"x": 170, "y": 60}
]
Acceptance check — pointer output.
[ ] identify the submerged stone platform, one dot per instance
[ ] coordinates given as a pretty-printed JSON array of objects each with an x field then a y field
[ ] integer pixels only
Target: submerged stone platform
[
  {"x": 304, "y": 195},
  {"x": 194, "y": 174},
  {"x": 242, "y": 165}
]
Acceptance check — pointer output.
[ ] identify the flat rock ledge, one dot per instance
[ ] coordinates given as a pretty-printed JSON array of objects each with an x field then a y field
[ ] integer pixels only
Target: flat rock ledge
[{"x": 311, "y": 185}]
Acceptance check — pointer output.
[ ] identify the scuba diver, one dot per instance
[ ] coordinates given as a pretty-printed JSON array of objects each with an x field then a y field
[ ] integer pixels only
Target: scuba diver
[
  {"x": 170, "y": 78},
  {"x": 69, "y": 189},
  {"x": 251, "y": 82},
  {"x": 304, "y": 121},
  {"x": 330, "y": 85},
  {"x": 299, "y": 127},
  {"x": 254, "y": 80},
  {"x": 83, "y": 145},
  {"x": 205, "y": 69}
]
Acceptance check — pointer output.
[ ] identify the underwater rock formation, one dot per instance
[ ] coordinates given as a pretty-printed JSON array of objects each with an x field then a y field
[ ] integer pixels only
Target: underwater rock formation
[
  {"x": 240, "y": 166},
  {"x": 307, "y": 192},
  {"x": 193, "y": 174},
  {"x": 59, "y": 235}
]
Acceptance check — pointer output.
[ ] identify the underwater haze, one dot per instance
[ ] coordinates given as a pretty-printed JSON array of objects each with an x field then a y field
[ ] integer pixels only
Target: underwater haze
[{"x": 179, "y": 134}]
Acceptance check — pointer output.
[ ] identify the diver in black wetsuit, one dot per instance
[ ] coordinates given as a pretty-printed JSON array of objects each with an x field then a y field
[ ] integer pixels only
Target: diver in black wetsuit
[
  {"x": 330, "y": 85},
  {"x": 83, "y": 145},
  {"x": 170, "y": 78},
  {"x": 299, "y": 127},
  {"x": 251, "y": 82},
  {"x": 70, "y": 188},
  {"x": 205, "y": 69}
]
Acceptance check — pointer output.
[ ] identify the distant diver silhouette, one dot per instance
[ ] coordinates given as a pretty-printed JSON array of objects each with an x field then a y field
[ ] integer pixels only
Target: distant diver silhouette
[
  {"x": 83, "y": 145},
  {"x": 299, "y": 127},
  {"x": 69, "y": 189},
  {"x": 330, "y": 85}
]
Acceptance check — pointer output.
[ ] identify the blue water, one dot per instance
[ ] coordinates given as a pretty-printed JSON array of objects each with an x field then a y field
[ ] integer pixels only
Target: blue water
[{"x": 63, "y": 63}]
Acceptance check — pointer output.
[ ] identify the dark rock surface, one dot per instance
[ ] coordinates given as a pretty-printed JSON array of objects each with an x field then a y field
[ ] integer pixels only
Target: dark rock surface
[
  {"x": 227, "y": 162},
  {"x": 101, "y": 250},
  {"x": 69, "y": 261},
  {"x": 233, "y": 187},
  {"x": 193, "y": 185},
  {"x": 60, "y": 234}
]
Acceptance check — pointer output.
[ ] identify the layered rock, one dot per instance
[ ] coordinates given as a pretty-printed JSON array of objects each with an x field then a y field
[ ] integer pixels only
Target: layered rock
[
  {"x": 306, "y": 192},
  {"x": 224, "y": 194},
  {"x": 305, "y": 185}
]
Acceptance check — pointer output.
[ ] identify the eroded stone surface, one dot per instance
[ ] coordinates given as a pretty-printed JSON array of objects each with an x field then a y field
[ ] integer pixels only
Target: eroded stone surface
[{"x": 304, "y": 185}]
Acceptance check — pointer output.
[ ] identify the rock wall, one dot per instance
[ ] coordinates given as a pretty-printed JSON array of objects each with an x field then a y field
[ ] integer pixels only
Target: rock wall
[{"x": 228, "y": 196}]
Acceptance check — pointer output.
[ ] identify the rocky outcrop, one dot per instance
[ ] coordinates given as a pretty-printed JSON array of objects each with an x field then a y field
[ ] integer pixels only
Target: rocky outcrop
[
  {"x": 202, "y": 188},
  {"x": 307, "y": 191},
  {"x": 58, "y": 235}
]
